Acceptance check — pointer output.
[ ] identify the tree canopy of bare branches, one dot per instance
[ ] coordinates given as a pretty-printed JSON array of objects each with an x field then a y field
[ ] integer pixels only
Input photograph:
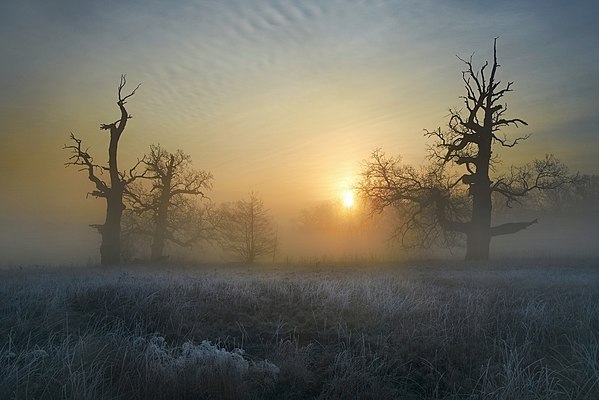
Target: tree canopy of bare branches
[{"x": 166, "y": 206}]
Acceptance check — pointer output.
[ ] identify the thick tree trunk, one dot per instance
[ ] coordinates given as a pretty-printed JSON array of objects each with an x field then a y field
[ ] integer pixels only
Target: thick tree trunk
[
  {"x": 157, "y": 247},
  {"x": 478, "y": 237},
  {"x": 477, "y": 245},
  {"x": 110, "y": 249},
  {"x": 159, "y": 236},
  {"x": 160, "y": 230}
]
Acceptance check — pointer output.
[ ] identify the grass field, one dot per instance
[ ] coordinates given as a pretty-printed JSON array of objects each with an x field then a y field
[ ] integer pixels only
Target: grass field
[{"x": 511, "y": 330}]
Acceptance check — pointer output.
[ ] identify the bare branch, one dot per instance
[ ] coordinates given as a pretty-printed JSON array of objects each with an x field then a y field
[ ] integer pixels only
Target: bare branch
[
  {"x": 122, "y": 99},
  {"x": 422, "y": 197},
  {"x": 511, "y": 227},
  {"x": 505, "y": 143},
  {"x": 133, "y": 173},
  {"x": 82, "y": 158},
  {"x": 116, "y": 128},
  {"x": 545, "y": 174}
]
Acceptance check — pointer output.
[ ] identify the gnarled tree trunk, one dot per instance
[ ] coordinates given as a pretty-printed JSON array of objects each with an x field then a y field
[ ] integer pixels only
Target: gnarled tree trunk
[
  {"x": 160, "y": 230},
  {"x": 110, "y": 248},
  {"x": 469, "y": 143}
]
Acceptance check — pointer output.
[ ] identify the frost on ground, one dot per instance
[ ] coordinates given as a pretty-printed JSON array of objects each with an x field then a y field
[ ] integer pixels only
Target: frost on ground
[
  {"x": 204, "y": 359},
  {"x": 513, "y": 331}
]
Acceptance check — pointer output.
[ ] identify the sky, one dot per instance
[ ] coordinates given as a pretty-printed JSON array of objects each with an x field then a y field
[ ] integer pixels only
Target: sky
[{"x": 280, "y": 97}]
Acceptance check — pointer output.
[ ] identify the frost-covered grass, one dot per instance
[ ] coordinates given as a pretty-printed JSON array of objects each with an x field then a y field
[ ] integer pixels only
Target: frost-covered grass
[{"x": 521, "y": 330}]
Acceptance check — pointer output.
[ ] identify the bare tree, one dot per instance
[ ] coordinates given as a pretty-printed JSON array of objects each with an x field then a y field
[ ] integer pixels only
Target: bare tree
[
  {"x": 433, "y": 196},
  {"x": 247, "y": 230},
  {"x": 168, "y": 204},
  {"x": 112, "y": 190}
]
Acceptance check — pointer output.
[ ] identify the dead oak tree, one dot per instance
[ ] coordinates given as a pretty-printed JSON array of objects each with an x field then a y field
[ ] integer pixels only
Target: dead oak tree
[
  {"x": 112, "y": 189},
  {"x": 430, "y": 195}
]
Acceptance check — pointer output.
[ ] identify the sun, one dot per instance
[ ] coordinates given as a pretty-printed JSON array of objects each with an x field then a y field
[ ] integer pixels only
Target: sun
[{"x": 348, "y": 199}]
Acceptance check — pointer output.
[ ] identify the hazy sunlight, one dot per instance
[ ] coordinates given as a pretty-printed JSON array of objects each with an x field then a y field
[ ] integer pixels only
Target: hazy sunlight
[{"x": 348, "y": 199}]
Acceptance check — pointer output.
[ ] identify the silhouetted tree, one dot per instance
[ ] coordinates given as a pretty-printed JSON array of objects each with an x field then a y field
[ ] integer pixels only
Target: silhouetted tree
[
  {"x": 247, "y": 230},
  {"x": 112, "y": 190},
  {"x": 167, "y": 209},
  {"x": 432, "y": 196}
]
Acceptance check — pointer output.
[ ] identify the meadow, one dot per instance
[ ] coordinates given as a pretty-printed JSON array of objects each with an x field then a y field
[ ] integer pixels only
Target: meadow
[{"x": 516, "y": 329}]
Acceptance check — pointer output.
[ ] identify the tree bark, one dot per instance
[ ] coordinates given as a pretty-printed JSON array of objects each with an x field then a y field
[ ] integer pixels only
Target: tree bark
[
  {"x": 160, "y": 231},
  {"x": 478, "y": 238},
  {"x": 110, "y": 249},
  {"x": 159, "y": 236}
]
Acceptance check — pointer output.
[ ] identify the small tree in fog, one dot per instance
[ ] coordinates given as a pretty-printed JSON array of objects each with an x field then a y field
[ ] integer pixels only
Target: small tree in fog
[
  {"x": 435, "y": 201},
  {"x": 113, "y": 188},
  {"x": 247, "y": 230},
  {"x": 167, "y": 208}
]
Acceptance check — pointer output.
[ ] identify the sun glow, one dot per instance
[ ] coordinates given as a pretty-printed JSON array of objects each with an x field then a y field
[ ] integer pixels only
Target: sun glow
[{"x": 348, "y": 199}]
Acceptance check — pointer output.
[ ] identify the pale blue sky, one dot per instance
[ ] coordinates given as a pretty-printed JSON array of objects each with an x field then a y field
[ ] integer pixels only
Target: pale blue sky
[{"x": 283, "y": 97}]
